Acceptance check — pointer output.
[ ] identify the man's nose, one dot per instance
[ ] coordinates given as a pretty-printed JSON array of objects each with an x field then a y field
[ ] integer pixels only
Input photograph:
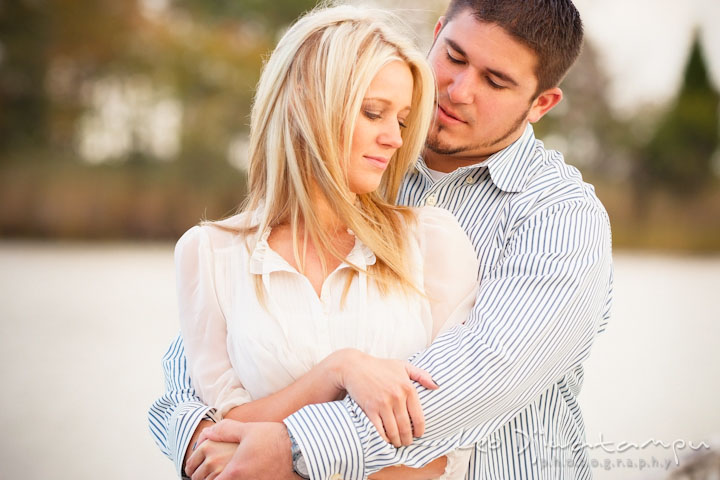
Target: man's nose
[{"x": 461, "y": 88}]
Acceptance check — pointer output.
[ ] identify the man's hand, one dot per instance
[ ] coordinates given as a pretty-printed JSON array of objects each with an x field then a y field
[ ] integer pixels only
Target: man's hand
[
  {"x": 209, "y": 459},
  {"x": 263, "y": 452}
]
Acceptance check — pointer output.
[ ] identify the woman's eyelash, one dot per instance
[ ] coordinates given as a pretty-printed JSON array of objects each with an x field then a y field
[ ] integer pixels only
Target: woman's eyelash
[{"x": 371, "y": 115}]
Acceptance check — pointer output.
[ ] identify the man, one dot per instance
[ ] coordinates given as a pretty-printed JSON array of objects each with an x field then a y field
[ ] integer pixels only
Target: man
[{"x": 509, "y": 377}]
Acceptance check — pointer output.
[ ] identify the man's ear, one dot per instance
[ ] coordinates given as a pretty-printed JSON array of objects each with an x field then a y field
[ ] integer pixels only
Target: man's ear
[
  {"x": 438, "y": 27},
  {"x": 545, "y": 102}
]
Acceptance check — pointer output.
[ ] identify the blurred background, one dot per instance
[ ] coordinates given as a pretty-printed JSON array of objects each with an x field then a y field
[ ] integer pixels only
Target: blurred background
[{"x": 122, "y": 124}]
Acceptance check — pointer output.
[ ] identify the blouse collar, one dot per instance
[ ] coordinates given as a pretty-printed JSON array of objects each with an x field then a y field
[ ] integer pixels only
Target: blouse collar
[{"x": 264, "y": 260}]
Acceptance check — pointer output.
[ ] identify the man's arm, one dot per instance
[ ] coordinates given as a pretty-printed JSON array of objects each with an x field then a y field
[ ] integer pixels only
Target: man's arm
[
  {"x": 535, "y": 318},
  {"x": 175, "y": 416}
]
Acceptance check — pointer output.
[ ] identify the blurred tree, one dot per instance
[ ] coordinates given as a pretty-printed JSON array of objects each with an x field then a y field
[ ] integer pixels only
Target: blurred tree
[
  {"x": 583, "y": 127},
  {"x": 678, "y": 156},
  {"x": 266, "y": 16},
  {"x": 23, "y": 63}
]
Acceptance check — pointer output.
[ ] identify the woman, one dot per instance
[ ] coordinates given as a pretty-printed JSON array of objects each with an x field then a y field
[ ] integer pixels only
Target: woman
[{"x": 298, "y": 298}]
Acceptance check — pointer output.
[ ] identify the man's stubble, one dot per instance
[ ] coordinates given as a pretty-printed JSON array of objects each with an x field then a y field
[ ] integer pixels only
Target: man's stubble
[{"x": 434, "y": 144}]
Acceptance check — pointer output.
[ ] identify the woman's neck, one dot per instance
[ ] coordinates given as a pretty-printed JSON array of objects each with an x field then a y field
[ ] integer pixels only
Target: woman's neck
[{"x": 327, "y": 216}]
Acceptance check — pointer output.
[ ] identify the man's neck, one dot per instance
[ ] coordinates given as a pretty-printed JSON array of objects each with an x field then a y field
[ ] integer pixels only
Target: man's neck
[{"x": 448, "y": 163}]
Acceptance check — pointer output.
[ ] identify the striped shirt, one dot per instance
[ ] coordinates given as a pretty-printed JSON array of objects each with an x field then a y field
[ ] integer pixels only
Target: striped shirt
[{"x": 509, "y": 377}]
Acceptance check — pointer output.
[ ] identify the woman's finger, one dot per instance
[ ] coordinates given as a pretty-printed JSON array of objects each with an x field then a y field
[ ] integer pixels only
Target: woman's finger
[
  {"x": 421, "y": 376},
  {"x": 402, "y": 419},
  {"x": 377, "y": 422},
  {"x": 417, "y": 417},
  {"x": 390, "y": 426}
]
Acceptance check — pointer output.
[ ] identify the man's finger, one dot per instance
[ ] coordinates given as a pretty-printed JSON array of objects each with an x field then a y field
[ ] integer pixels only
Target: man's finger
[
  {"x": 421, "y": 376},
  {"x": 197, "y": 458},
  {"x": 201, "y": 472},
  {"x": 229, "y": 431}
]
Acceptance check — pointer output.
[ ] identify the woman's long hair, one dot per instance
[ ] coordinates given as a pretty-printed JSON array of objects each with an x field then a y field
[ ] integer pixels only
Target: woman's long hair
[{"x": 303, "y": 117}]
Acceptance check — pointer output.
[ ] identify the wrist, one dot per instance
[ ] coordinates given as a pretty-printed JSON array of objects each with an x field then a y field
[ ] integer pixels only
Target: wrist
[
  {"x": 337, "y": 366},
  {"x": 300, "y": 469}
]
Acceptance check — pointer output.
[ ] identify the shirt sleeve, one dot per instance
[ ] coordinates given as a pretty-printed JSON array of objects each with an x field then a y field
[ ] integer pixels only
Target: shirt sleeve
[
  {"x": 203, "y": 325},
  {"x": 174, "y": 416},
  {"x": 450, "y": 280},
  {"x": 535, "y": 317}
]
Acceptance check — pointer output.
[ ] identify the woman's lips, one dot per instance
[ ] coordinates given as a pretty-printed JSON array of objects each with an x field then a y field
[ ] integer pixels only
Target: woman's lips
[{"x": 380, "y": 162}]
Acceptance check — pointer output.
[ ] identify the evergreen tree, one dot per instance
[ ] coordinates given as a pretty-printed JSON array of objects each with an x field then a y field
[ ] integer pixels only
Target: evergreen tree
[{"x": 678, "y": 155}]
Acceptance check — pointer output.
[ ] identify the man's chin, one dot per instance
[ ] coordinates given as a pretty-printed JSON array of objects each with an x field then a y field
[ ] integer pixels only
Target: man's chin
[{"x": 435, "y": 145}]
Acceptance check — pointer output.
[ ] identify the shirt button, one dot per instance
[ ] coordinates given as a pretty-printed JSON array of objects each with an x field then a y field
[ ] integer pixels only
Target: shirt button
[
  {"x": 337, "y": 476},
  {"x": 469, "y": 180},
  {"x": 431, "y": 201}
]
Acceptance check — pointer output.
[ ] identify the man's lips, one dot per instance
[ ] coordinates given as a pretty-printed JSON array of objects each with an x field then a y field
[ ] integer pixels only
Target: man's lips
[{"x": 448, "y": 116}]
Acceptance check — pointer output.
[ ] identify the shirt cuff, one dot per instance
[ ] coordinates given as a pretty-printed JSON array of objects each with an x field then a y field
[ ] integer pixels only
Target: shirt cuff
[
  {"x": 183, "y": 423},
  {"x": 329, "y": 441}
]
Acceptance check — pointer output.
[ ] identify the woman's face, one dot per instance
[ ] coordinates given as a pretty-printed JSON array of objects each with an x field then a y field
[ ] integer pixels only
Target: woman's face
[{"x": 376, "y": 138}]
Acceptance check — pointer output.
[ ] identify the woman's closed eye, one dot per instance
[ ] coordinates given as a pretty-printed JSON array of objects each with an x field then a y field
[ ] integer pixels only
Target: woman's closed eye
[{"x": 372, "y": 115}]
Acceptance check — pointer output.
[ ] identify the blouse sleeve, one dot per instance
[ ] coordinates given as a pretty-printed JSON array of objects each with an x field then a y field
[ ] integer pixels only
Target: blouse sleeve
[
  {"x": 202, "y": 324},
  {"x": 450, "y": 268}
]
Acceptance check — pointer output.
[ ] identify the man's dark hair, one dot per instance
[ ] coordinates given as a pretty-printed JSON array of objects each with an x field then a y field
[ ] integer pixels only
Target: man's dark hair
[{"x": 551, "y": 28}]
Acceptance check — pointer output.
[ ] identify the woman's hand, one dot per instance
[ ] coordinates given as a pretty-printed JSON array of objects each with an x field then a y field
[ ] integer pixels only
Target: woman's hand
[
  {"x": 384, "y": 389},
  {"x": 209, "y": 459}
]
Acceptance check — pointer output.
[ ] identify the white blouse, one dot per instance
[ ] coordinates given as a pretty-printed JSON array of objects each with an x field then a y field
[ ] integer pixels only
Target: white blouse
[{"x": 268, "y": 347}]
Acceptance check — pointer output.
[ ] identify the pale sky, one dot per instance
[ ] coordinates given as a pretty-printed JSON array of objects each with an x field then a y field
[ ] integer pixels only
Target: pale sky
[{"x": 644, "y": 44}]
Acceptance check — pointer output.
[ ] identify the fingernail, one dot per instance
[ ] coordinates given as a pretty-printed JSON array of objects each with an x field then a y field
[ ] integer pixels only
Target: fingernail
[
  {"x": 194, "y": 446},
  {"x": 433, "y": 380}
]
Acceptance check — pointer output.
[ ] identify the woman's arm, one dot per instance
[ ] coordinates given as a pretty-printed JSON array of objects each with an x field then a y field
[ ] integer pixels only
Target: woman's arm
[
  {"x": 380, "y": 386},
  {"x": 374, "y": 383},
  {"x": 321, "y": 384}
]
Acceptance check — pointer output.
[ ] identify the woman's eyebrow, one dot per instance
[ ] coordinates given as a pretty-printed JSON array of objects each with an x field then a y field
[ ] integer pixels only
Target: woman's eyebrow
[{"x": 377, "y": 99}]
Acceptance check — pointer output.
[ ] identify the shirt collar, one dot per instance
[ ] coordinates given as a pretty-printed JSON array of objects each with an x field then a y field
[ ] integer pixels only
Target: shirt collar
[{"x": 509, "y": 168}]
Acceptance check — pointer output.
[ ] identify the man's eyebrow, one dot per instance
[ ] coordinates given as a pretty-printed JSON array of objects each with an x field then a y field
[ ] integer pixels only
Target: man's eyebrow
[
  {"x": 456, "y": 47},
  {"x": 502, "y": 76}
]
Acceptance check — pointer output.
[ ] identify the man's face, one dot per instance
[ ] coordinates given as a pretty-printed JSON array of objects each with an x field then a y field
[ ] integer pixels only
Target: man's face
[{"x": 486, "y": 85}]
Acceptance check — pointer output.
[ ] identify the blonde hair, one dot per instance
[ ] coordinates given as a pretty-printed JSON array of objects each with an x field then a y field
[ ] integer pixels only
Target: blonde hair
[{"x": 303, "y": 117}]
